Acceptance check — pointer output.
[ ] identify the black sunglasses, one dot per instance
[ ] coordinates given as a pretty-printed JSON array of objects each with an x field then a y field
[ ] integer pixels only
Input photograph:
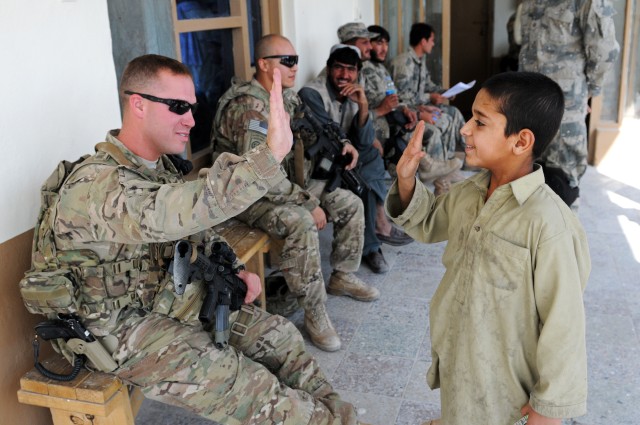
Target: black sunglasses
[
  {"x": 287, "y": 60},
  {"x": 176, "y": 106}
]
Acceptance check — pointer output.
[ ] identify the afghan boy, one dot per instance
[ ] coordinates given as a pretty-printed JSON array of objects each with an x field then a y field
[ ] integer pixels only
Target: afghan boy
[{"x": 507, "y": 320}]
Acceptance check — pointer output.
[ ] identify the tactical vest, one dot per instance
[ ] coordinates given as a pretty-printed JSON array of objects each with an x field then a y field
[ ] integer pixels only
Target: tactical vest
[{"x": 78, "y": 281}]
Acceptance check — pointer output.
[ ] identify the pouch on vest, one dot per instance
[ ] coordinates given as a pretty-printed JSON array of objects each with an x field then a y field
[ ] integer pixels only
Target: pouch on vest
[{"x": 46, "y": 292}]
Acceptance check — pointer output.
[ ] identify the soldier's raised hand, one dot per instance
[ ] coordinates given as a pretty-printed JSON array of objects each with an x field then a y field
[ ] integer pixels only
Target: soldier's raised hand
[{"x": 279, "y": 135}]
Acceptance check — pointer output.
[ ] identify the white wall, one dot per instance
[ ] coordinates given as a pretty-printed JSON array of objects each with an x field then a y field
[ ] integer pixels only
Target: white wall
[
  {"x": 312, "y": 28},
  {"x": 59, "y": 96}
]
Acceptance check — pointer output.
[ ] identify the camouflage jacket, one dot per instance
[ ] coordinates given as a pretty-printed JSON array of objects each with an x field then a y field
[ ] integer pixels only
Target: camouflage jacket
[
  {"x": 569, "y": 39},
  {"x": 240, "y": 124},
  {"x": 119, "y": 211},
  {"x": 375, "y": 88},
  {"x": 412, "y": 79}
]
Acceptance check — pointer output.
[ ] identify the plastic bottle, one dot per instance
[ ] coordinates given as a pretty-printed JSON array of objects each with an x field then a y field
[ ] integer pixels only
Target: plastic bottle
[{"x": 390, "y": 88}]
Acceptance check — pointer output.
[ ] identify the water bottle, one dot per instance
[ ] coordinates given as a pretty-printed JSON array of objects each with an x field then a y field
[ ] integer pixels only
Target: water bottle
[{"x": 390, "y": 88}]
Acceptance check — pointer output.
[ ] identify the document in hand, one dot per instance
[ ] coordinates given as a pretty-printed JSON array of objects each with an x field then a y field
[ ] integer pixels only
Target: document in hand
[{"x": 458, "y": 88}]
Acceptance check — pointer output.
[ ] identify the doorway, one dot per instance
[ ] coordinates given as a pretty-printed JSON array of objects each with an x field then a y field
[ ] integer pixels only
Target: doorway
[{"x": 471, "y": 40}]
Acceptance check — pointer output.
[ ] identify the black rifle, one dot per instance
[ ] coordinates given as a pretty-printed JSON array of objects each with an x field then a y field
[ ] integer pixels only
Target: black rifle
[
  {"x": 330, "y": 162},
  {"x": 225, "y": 290}
]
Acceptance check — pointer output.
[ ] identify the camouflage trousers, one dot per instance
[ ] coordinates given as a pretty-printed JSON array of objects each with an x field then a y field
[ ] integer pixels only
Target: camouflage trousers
[
  {"x": 266, "y": 377},
  {"x": 300, "y": 257}
]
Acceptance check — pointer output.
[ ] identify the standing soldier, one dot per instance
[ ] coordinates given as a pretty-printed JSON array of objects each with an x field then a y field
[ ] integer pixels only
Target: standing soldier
[{"x": 574, "y": 43}]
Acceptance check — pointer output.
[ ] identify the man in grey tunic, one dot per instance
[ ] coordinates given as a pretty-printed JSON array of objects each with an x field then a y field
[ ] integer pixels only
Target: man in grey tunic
[
  {"x": 336, "y": 97},
  {"x": 572, "y": 42}
]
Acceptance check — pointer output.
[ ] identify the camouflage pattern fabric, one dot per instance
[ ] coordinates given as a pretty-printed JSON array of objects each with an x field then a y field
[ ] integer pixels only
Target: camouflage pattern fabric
[
  {"x": 266, "y": 378},
  {"x": 119, "y": 210},
  {"x": 572, "y": 42},
  {"x": 285, "y": 211},
  {"x": 413, "y": 82},
  {"x": 121, "y": 213},
  {"x": 375, "y": 89}
]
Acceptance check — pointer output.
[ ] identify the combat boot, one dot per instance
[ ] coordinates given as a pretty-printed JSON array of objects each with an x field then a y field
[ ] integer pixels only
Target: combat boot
[
  {"x": 430, "y": 169},
  {"x": 350, "y": 285},
  {"x": 320, "y": 330}
]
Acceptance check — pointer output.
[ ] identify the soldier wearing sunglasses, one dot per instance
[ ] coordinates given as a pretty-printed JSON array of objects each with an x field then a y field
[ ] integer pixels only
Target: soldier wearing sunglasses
[
  {"x": 120, "y": 208},
  {"x": 291, "y": 212}
]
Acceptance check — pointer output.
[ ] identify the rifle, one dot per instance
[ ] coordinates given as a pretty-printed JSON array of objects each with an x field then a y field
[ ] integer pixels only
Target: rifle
[
  {"x": 328, "y": 150},
  {"x": 225, "y": 290}
]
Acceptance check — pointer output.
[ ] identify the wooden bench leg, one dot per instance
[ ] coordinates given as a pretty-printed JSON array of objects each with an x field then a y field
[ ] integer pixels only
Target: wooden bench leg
[{"x": 120, "y": 415}]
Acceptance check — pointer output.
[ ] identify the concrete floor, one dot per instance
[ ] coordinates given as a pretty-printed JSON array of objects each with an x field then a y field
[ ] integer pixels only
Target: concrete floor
[{"x": 381, "y": 367}]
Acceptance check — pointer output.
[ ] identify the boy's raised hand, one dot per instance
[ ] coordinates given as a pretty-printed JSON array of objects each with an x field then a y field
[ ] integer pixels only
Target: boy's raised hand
[
  {"x": 279, "y": 135},
  {"x": 408, "y": 165}
]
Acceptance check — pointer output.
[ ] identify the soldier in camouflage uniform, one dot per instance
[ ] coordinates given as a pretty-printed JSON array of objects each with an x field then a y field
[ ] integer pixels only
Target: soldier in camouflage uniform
[
  {"x": 573, "y": 42},
  {"x": 115, "y": 214},
  {"x": 376, "y": 77},
  {"x": 288, "y": 211},
  {"x": 411, "y": 76}
]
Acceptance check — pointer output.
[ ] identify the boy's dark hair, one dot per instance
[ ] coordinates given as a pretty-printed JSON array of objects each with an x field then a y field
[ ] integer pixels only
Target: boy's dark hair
[
  {"x": 345, "y": 55},
  {"x": 384, "y": 34},
  {"x": 143, "y": 71},
  {"x": 419, "y": 30},
  {"x": 528, "y": 100}
]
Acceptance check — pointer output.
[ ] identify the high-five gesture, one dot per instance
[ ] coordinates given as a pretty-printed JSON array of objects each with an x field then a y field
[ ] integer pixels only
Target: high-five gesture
[
  {"x": 279, "y": 135},
  {"x": 408, "y": 165}
]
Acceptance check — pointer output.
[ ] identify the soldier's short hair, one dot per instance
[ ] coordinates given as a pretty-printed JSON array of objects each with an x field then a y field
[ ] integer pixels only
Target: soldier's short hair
[
  {"x": 143, "y": 70},
  {"x": 384, "y": 34},
  {"x": 346, "y": 55},
  {"x": 419, "y": 30},
  {"x": 528, "y": 100}
]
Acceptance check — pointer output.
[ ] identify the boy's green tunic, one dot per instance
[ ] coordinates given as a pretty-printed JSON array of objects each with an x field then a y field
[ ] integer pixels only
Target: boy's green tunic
[{"x": 507, "y": 320}]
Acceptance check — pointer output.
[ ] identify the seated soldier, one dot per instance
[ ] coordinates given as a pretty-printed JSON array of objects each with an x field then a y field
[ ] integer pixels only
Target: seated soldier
[
  {"x": 391, "y": 128},
  {"x": 288, "y": 211},
  {"x": 409, "y": 72},
  {"x": 336, "y": 98},
  {"x": 106, "y": 227}
]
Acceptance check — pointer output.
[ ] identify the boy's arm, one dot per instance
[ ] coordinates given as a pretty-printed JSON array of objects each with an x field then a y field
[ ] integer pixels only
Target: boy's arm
[
  {"x": 409, "y": 204},
  {"x": 561, "y": 270}
]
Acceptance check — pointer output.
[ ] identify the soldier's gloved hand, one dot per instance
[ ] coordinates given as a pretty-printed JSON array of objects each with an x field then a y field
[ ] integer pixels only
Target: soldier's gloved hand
[
  {"x": 279, "y": 135},
  {"x": 254, "y": 287}
]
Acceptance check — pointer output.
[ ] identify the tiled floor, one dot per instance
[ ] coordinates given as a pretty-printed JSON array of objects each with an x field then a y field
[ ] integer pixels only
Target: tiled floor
[{"x": 381, "y": 367}]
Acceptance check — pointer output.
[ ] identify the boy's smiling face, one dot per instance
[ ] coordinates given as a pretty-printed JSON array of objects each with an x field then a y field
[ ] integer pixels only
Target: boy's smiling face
[{"x": 486, "y": 145}]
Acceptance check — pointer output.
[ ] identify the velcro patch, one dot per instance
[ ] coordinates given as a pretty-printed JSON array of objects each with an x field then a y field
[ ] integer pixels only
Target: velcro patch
[{"x": 259, "y": 126}]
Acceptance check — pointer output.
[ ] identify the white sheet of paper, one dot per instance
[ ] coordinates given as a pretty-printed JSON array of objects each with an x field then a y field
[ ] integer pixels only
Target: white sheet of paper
[{"x": 458, "y": 88}]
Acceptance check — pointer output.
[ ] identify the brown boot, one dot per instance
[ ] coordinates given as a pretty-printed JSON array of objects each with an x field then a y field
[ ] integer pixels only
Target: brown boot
[
  {"x": 350, "y": 285},
  {"x": 320, "y": 329},
  {"x": 431, "y": 169}
]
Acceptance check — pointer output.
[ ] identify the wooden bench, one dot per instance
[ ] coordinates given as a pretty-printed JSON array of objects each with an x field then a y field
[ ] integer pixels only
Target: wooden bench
[
  {"x": 91, "y": 398},
  {"x": 102, "y": 399}
]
